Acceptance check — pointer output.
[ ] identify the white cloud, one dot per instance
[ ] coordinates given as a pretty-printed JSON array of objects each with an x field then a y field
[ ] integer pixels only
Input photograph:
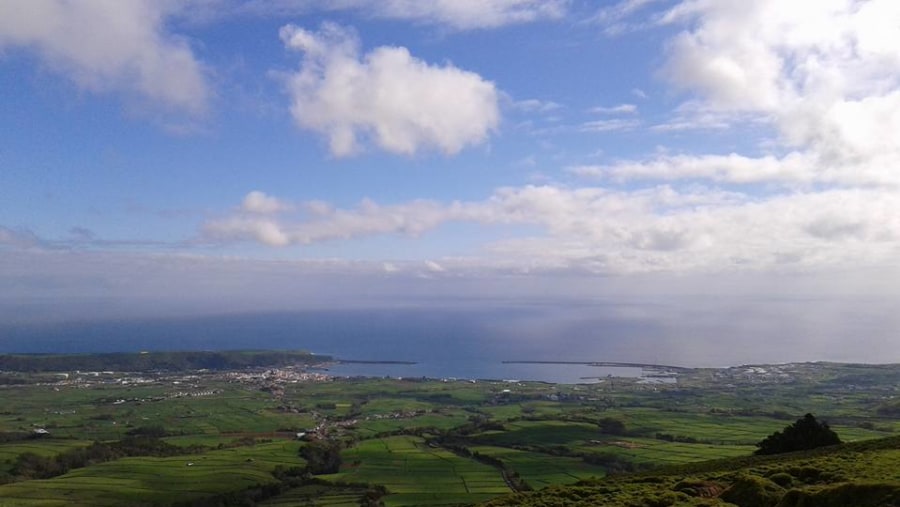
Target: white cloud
[
  {"x": 792, "y": 169},
  {"x": 327, "y": 223},
  {"x": 617, "y": 109},
  {"x": 387, "y": 96},
  {"x": 263, "y": 230},
  {"x": 732, "y": 168},
  {"x": 468, "y": 14},
  {"x": 608, "y": 125},
  {"x": 434, "y": 267},
  {"x": 818, "y": 84},
  {"x": 826, "y": 73},
  {"x": 618, "y": 18},
  {"x": 601, "y": 230},
  {"x": 259, "y": 202},
  {"x": 110, "y": 45},
  {"x": 454, "y": 14},
  {"x": 536, "y": 106}
]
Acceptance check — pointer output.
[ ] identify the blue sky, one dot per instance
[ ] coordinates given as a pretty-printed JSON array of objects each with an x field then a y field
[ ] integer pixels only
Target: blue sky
[{"x": 220, "y": 155}]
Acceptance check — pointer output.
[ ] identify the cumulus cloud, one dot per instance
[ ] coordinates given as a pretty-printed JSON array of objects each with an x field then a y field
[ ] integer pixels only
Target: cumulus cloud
[
  {"x": 825, "y": 74},
  {"x": 821, "y": 80},
  {"x": 110, "y": 46},
  {"x": 817, "y": 82},
  {"x": 388, "y": 97}
]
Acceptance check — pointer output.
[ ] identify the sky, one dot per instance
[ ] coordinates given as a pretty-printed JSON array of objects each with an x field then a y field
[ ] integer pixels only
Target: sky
[{"x": 200, "y": 156}]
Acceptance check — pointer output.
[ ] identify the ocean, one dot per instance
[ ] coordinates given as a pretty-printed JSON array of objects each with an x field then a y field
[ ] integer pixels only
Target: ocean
[{"x": 474, "y": 343}]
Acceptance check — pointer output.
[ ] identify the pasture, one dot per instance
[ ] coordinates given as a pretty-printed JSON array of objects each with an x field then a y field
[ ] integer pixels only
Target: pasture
[
  {"x": 416, "y": 474},
  {"x": 541, "y": 470},
  {"x": 149, "y": 480}
]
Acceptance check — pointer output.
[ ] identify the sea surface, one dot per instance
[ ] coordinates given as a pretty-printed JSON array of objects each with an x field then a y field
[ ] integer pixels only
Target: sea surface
[
  {"x": 556, "y": 373},
  {"x": 440, "y": 344},
  {"x": 474, "y": 343}
]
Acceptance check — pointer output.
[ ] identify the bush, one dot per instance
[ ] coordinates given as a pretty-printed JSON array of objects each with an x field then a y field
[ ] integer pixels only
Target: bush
[
  {"x": 753, "y": 491},
  {"x": 783, "y": 479},
  {"x": 699, "y": 488},
  {"x": 857, "y": 495}
]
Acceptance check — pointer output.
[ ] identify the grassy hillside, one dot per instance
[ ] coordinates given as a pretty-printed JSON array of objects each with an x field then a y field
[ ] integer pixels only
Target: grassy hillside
[{"x": 861, "y": 474}]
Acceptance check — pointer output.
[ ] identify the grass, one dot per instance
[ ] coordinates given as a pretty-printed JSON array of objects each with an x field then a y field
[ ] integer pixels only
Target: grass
[
  {"x": 146, "y": 480},
  {"x": 863, "y": 474},
  {"x": 43, "y": 447},
  {"x": 416, "y": 474},
  {"x": 374, "y": 427},
  {"x": 541, "y": 433},
  {"x": 541, "y": 470},
  {"x": 318, "y": 496}
]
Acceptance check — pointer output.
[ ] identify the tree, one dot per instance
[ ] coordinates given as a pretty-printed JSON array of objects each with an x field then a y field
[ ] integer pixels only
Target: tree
[
  {"x": 322, "y": 456},
  {"x": 806, "y": 433},
  {"x": 611, "y": 426}
]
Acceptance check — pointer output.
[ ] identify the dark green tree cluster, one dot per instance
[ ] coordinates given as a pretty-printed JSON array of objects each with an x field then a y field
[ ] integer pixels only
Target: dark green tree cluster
[
  {"x": 806, "y": 433},
  {"x": 611, "y": 426},
  {"x": 29, "y": 466},
  {"x": 322, "y": 456}
]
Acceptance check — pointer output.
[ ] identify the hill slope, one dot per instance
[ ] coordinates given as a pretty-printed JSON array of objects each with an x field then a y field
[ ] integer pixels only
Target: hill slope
[{"x": 862, "y": 474}]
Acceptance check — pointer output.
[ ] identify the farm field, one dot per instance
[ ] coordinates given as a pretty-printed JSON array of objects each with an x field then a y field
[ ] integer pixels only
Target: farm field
[
  {"x": 541, "y": 470},
  {"x": 417, "y": 474},
  {"x": 151, "y": 480}
]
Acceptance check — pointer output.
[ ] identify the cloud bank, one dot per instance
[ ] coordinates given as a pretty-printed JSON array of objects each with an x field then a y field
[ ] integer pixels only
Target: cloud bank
[
  {"x": 399, "y": 103},
  {"x": 617, "y": 231}
]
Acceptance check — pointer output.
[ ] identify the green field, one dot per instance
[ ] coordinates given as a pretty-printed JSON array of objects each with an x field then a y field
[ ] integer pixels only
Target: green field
[
  {"x": 416, "y": 474},
  {"x": 542, "y": 470},
  {"x": 317, "y": 496},
  {"x": 49, "y": 447},
  {"x": 147, "y": 480}
]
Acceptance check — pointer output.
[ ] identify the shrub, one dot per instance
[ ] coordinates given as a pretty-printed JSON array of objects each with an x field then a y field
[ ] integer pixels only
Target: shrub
[
  {"x": 783, "y": 479},
  {"x": 753, "y": 491},
  {"x": 857, "y": 495}
]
